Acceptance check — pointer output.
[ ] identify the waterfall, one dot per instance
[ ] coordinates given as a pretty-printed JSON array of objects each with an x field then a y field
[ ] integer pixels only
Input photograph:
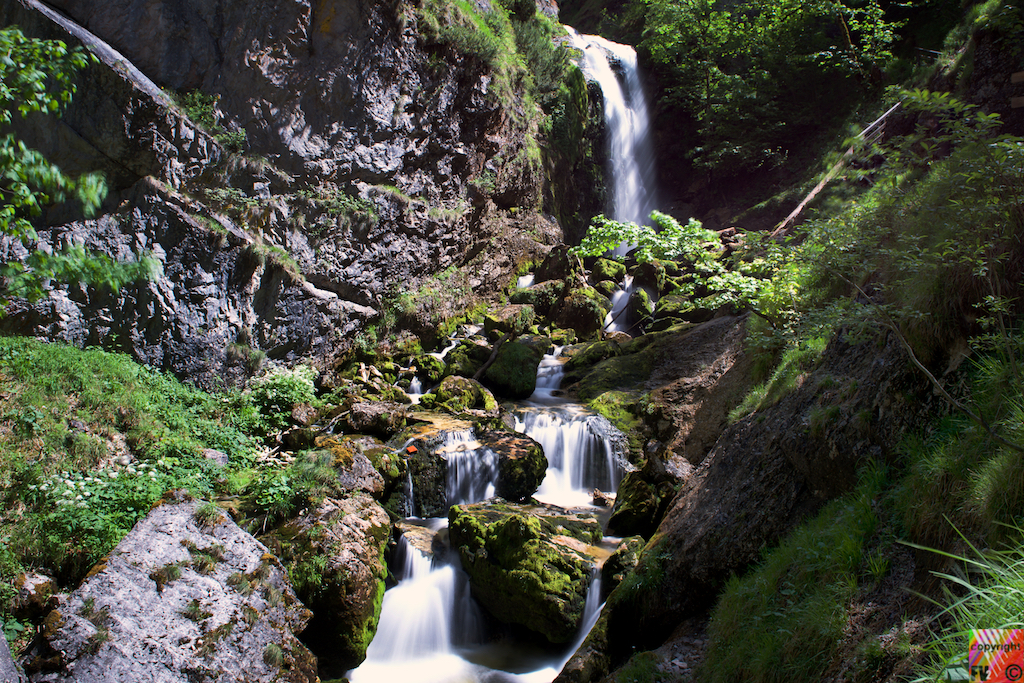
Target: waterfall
[
  {"x": 631, "y": 156},
  {"x": 429, "y": 628}
]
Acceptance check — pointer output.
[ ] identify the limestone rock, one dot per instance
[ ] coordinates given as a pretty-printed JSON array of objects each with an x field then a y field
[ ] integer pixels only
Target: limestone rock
[
  {"x": 36, "y": 595},
  {"x": 607, "y": 269},
  {"x": 377, "y": 418},
  {"x": 9, "y": 671},
  {"x": 336, "y": 556},
  {"x": 185, "y": 595},
  {"x": 459, "y": 394},
  {"x": 527, "y": 565}
]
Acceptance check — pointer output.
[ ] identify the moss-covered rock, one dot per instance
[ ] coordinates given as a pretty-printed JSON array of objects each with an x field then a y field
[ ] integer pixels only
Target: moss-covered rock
[
  {"x": 335, "y": 559},
  {"x": 606, "y": 287},
  {"x": 514, "y": 371},
  {"x": 542, "y": 296},
  {"x": 466, "y": 358},
  {"x": 674, "y": 308},
  {"x": 526, "y": 565},
  {"x": 607, "y": 269},
  {"x": 639, "y": 308},
  {"x": 457, "y": 394},
  {"x": 522, "y": 465},
  {"x": 583, "y": 309},
  {"x": 513, "y": 320},
  {"x": 430, "y": 368},
  {"x": 651, "y": 276},
  {"x": 559, "y": 264},
  {"x": 620, "y": 563}
]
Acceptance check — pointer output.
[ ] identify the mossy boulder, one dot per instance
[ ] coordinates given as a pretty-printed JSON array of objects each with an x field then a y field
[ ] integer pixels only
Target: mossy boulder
[
  {"x": 458, "y": 394},
  {"x": 587, "y": 354},
  {"x": 513, "y": 320},
  {"x": 466, "y": 358},
  {"x": 364, "y": 463},
  {"x": 514, "y": 371},
  {"x": 527, "y": 565},
  {"x": 583, "y": 309},
  {"x": 620, "y": 563},
  {"x": 642, "y": 500},
  {"x": 559, "y": 264},
  {"x": 522, "y": 465},
  {"x": 607, "y": 269},
  {"x": 606, "y": 287},
  {"x": 335, "y": 558},
  {"x": 640, "y": 307},
  {"x": 542, "y": 296},
  {"x": 650, "y": 276},
  {"x": 430, "y": 368},
  {"x": 675, "y": 308}
]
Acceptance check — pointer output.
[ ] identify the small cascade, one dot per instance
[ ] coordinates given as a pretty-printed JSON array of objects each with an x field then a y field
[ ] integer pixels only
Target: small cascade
[
  {"x": 525, "y": 281},
  {"x": 617, "y": 319},
  {"x": 472, "y": 468},
  {"x": 549, "y": 377}
]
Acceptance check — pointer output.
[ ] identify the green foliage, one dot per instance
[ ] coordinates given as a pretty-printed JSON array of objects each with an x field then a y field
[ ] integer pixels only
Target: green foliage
[
  {"x": 280, "y": 389},
  {"x": 985, "y": 591},
  {"x": 669, "y": 240},
  {"x": 201, "y": 109},
  {"x": 36, "y": 77},
  {"x": 78, "y": 501},
  {"x": 752, "y": 77},
  {"x": 796, "y": 361},
  {"x": 783, "y": 620}
]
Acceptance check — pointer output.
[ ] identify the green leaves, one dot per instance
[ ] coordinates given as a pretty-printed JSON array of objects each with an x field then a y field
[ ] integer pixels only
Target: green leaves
[
  {"x": 670, "y": 240},
  {"x": 36, "y": 77}
]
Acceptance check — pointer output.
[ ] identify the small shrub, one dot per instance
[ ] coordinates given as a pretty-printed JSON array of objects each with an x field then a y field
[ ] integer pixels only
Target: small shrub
[{"x": 273, "y": 655}]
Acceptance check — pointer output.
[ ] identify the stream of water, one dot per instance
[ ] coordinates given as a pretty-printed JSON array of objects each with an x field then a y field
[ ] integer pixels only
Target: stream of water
[{"x": 430, "y": 629}]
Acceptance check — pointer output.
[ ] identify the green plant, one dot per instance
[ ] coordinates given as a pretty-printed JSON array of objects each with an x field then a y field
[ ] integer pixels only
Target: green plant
[
  {"x": 273, "y": 655},
  {"x": 195, "y": 612},
  {"x": 783, "y": 619},
  {"x": 280, "y": 389},
  {"x": 208, "y": 515},
  {"x": 38, "y": 77}
]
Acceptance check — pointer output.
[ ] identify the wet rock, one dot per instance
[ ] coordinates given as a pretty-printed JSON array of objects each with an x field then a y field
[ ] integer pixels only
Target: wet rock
[
  {"x": 521, "y": 463},
  {"x": 186, "y": 594},
  {"x": 513, "y": 320},
  {"x": 639, "y": 308},
  {"x": 422, "y": 538},
  {"x": 621, "y": 562},
  {"x": 513, "y": 374},
  {"x": 467, "y": 358},
  {"x": 559, "y": 264},
  {"x": 582, "y": 309},
  {"x": 377, "y": 418},
  {"x": 335, "y": 555},
  {"x": 542, "y": 296},
  {"x": 527, "y": 565}
]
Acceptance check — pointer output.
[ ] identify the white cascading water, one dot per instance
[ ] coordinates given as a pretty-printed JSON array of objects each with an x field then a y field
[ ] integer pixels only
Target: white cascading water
[
  {"x": 632, "y": 162},
  {"x": 427, "y": 620}
]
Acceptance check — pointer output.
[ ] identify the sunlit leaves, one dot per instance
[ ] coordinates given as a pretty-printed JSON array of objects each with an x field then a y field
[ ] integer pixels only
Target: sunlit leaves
[{"x": 36, "y": 77}]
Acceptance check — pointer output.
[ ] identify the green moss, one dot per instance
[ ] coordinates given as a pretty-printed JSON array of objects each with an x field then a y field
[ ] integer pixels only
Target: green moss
[{"x": 514, "y": 371}]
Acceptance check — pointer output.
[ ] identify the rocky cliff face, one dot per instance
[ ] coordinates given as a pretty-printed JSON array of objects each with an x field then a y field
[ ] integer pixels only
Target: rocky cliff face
[{"x": 373, "y": 155}]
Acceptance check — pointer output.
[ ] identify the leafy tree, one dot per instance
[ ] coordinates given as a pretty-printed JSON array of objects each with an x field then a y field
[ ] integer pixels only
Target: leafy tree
[
  {"x": 752, "y": 76},
  {"x": 36, "y": 77}
]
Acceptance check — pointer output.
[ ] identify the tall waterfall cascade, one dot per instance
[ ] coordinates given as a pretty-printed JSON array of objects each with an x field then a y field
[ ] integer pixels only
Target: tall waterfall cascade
[
  {"x": 428, "y": 630},
  {"x": 632, "y": 173}
]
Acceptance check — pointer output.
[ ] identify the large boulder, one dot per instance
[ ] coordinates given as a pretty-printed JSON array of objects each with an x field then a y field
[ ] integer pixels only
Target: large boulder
[
  {"x": 513, "y": 374},
  {"x": 560, "y": 264},
  {"x": 542, "y": 296},
  {"x": 458, "y": 394},
  {"x": 513, "y": 320},
  {"x": 335, "y": 555},
  {"x": 185, "y": 596},
  {"x": 527, "y": 565},
  {"x": 522, "y": 465},
  {"x": 582, "y": 309},
  {"x": 377, "y": 418}
]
